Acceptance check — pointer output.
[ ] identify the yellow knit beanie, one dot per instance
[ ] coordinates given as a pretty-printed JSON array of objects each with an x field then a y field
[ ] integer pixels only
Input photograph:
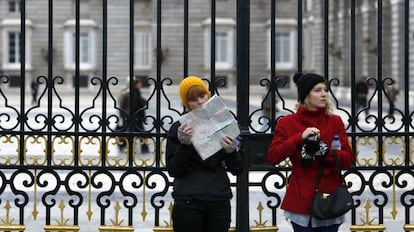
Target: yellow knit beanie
[{"x": 189, "y": 82}]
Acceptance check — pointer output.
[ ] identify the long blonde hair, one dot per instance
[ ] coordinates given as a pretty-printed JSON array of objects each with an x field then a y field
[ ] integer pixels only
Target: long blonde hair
[{"x": 329, "y": 109}]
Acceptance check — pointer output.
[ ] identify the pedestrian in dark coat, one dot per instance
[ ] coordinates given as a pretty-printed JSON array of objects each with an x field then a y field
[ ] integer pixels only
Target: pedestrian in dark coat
[
  {"x": 34, "y": 86},
  {"x": 137, "y": 103},
  {"x": 392, "y": 92},
  {"x": 361, "y": 89}
]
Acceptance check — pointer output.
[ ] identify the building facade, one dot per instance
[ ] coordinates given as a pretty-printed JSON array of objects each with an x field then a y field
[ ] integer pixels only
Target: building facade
[
  {"x": 142, "y": 29},
  {"x": 118, "y": 51},
  {"x": 370, "y": 20}
]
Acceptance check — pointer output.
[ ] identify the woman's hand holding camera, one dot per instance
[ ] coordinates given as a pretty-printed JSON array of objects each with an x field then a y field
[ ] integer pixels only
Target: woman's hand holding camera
[{"x": 313, "y": 145}]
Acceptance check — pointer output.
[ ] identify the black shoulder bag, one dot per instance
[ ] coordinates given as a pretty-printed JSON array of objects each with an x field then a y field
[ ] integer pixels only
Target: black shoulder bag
[{"x": 327, "y": 206}]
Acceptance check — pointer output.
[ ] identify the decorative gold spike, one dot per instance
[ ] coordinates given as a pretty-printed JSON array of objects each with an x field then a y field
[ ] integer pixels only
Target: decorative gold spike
[
  {"x": 89, "y": 211},
  {"x": 394, "y": 211},
  {"x": 260, "y": 223},
  {"x": 168, "y": 225},
  {"x": 367, "y": 222},
  {"x": 8, "y": 222},
  {"x": 117, "y": 208},
  {"x": 144, "y": 211},
  {"x": 116, "y": 224},
  {"x": 394, "y": 161},
  {"x": 35, "y": 212},
  {"x": 61, "y": 222}
]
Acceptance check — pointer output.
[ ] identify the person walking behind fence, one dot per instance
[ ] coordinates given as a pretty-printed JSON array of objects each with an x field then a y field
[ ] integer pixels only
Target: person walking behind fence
[
  {"x": 267, "y": 109},
  {"x": 34, "y": 86},
  {"x": 294, "y": 139},
  {"x": 361, "y": 89},
  {"x": 392, "y": 92},
  {"x": 201, "y": 189},
  {"x": 137, "y": 103}
]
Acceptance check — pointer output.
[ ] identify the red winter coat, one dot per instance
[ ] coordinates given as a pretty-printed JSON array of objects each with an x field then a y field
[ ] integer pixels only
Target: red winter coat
[{"x": 287, "y": 143}]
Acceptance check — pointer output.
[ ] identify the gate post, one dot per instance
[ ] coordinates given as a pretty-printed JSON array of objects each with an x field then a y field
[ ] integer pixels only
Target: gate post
[{"x": 242, "y": 40}]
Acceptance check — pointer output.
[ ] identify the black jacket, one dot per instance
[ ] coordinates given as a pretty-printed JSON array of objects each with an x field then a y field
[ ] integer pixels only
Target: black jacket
[
  {"x": 197, "y": 179},
  {"x": 138, "y": 104}
]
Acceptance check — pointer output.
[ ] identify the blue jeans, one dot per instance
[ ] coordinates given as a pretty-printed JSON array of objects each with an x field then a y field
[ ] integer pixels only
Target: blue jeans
[
  {"x": 201, "y": 216},
  {"x": 298, "y": 228}
]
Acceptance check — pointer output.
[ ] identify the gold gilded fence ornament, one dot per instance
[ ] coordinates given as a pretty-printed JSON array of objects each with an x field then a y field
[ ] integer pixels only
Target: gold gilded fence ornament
[
  {"x": 367, "y": 222},
  {"x": 116, "y": 223},
  {"x": 7, "y": 158},
  {"x": 35, "y": 212},
  {"x": 7, "y": 222},
  {"x": 394, "y": 161},
  {"x": 32, "y": 157},
  {"x": 261, "y": 225},
  {"x": 408, "y": 227},
  {"x": 121, "y": 159},
  {"x": 144, "y": 204},
  {"x": 168, "y": 225},
  {"x": 89, "y": 211},
  {"x": 363, "y": 159},
  {"x": 61, "y": 222},
  {"x": 62, "y": 141},
  {"x": 90, "y": 142}
]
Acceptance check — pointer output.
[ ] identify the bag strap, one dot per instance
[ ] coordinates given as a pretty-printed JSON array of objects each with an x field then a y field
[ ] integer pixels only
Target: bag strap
[
  {"x": 337, "y": 168},
  {"x": 319, "y": 175}
]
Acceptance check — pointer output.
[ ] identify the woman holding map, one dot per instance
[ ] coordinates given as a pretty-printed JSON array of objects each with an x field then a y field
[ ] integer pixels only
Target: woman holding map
[{"x": 201, "y": 186}]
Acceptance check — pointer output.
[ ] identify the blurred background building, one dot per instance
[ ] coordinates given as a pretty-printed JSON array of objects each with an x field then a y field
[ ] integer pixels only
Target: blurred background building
[{"x": 144, "y": 31}]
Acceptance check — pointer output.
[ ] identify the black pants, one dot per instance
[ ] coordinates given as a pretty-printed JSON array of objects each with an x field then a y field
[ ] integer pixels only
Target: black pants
[{"x": 201, "y": 216}]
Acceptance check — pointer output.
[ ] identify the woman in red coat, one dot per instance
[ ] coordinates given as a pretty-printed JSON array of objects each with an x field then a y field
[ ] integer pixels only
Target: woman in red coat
[{"x": 313, "y": 118}]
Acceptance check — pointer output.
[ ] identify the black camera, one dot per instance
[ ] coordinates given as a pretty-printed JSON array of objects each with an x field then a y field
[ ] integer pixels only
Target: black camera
[{"x": 312, "y": 144}]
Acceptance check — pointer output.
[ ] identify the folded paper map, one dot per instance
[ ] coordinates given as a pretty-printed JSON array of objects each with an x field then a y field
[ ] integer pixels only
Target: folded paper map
[{"x": 210, "y": 123}]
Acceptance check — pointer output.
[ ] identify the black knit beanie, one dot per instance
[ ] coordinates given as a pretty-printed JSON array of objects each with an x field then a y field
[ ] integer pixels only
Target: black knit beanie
[{"x": 305, "y": 82}]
